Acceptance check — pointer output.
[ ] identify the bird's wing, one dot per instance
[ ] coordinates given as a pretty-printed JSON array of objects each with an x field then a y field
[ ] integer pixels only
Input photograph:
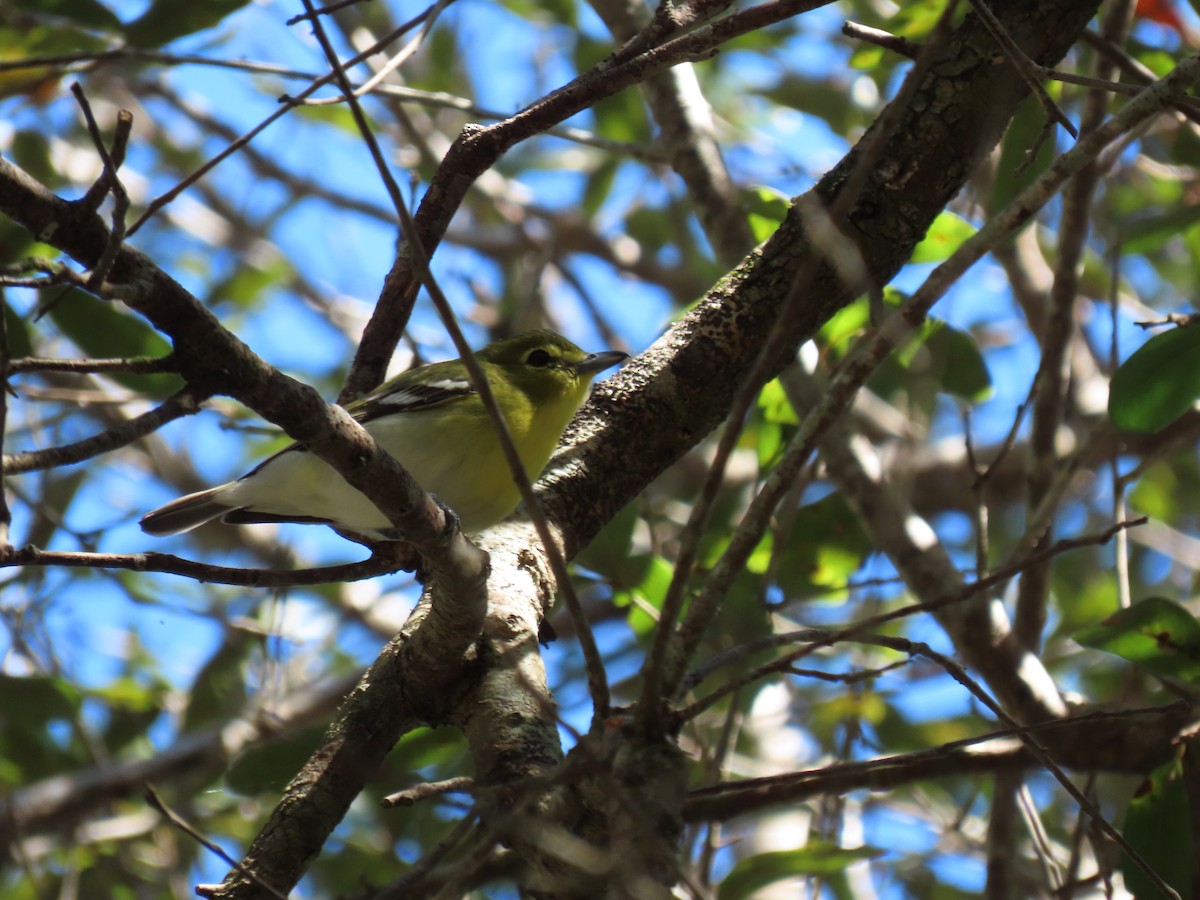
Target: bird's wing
[
  {"x": 386, "y": 400},
  {"x": 409, "y": 397}
]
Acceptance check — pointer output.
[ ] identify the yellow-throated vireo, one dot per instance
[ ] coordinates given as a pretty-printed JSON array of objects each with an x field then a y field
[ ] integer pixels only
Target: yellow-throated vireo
[{"x": 433, "y": 422}]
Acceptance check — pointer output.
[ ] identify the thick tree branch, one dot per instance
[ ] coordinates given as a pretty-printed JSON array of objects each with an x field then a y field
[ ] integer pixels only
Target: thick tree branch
[
  {"x": 995, "y": 752},
  {"x": 680, "y": 389}
]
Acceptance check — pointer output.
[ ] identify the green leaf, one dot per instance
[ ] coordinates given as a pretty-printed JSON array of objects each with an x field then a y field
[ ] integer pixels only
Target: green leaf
[
  {"x": 31, "y": 151},
  {"x": 917, "y": 19},
  {"x": 34, "y": 700},
  {"x": 823, "y": 548},
  {"x": 59, "y": 491},
  {"x": 944, "y": 236},
  {"x": 1157, "y": 634},
  {"x": 938, "y": 357},
  {"x": 132, "y": 708},
  {"x": 1152, "y": 231},
  {"x": 766, "y": 209},
  {"x": 822, "y": 97},
  {"x": 15, "y": 242},
  {"x": 101, "y": 330},
  {"x": 1158, "y": 827},
  {"x": 17, "y": 332},
  {"x": 83, "y": 12},
  {"x": 424, "y": 747},
  {"x": 649, "y": 228},
  {"x": 608, "y": 553},
  {"x": 650, "y": 588},
  {"x": 1157, "y": 60},
  {"x": 167, "y": 20},
  {"x": 756, "y": 872},
  {"x": 1158, "y": 383},
  {"x": 622, "y": 117},
  {"x": 844, "y": 326},
  {"x": 599, "y": 185},
  {"x": 219, "y": 691},
  {"x": 248, "y": 284},
  {"x": 775, "y": 405},
  {"x": 1015, "y": 171},
  {"x": 269, "y": 767},
  {"x": 959, "y": 366}
]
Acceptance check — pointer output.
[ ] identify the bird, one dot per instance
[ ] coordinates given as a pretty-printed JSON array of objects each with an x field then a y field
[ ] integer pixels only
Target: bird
[{"x": 433, "y": 421}]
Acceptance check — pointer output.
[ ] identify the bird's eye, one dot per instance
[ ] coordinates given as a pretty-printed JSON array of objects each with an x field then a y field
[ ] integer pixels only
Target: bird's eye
[{"x": 538, "y": 358}]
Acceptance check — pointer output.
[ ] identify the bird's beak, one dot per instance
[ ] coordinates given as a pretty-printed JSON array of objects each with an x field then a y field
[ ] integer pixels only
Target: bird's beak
[{"x": 598, "y": 362}]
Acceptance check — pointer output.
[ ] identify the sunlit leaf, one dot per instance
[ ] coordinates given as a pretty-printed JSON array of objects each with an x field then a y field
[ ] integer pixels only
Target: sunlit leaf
[
  {"x": 823, "y": 547},
  {"x": 766, "y": 208},
  {"x": 649, "y": 590},
  {"x": 775, "y": 405},
  {"x": 845, "y": 325},
  {"x": 944, "y": 236},
  {"x": 757, "y": 872}
]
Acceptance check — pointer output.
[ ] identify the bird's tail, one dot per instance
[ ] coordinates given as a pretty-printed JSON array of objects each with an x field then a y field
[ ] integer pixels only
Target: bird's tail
[{"x": 185, "y": 513}]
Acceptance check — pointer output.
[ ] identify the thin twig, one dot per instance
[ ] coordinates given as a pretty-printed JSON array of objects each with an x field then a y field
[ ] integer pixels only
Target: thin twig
[
  {"x": 108, "y": 183},
  {"x": 1026, "y": 734},
  {"x": 322, "y": 11},
  {"x": 849, "y": 632},
  {"x": 1025, "y": 67},
  {"x": 415, "y": 881},
  {"x": 157, "y": 802},
  {"x": 959, "y": 674},
  {"x": 287, "y": 104},
  {"x": 385, "y": 560},
  {"x": 642, "y": 152},
  {"x": 1177, "y": 319},
  {"x": 394, "y": 62},
  {"x": 133, "y": 365},
  {"x": 979, "y": 518},
  {"x": 901, "y": 46},
  {"x": 1121, "y": 562},
  {"x": 419, "y": 792},
  {"x": 1136, "y": 70},
  {"x": 185, "y": 403}
]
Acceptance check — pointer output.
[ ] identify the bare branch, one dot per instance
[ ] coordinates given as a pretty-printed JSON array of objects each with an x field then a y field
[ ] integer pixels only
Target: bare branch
[
  {"x": 385, "y": 559},
  {"x": 185, "y": 403}
]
